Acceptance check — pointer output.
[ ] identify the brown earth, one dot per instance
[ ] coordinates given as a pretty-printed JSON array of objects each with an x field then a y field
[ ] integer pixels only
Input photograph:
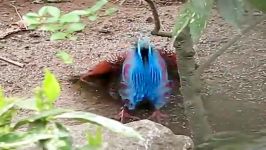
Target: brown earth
[{"x": 234, "y": 91}]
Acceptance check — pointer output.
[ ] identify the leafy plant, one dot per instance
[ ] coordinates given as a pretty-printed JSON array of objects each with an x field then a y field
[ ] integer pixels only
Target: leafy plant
[
  {"x": 63, "y": 25},
  {"x": 43, "y": 127},
  {"x": 65, "y": 57},
  {"x": 195, "y": 14}
]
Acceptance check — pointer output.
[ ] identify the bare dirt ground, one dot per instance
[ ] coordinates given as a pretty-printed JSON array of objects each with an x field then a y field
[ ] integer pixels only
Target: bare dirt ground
[
  {"x": 234, "y": 90},
  {"x": 235, "y": 85}
]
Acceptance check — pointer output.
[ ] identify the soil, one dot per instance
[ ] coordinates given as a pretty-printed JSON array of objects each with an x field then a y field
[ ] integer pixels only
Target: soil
[{"x": 234, "y": 86}]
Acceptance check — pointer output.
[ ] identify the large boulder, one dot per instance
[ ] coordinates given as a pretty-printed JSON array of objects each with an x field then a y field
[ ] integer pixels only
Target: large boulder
[{"x": 157, "y": 137}]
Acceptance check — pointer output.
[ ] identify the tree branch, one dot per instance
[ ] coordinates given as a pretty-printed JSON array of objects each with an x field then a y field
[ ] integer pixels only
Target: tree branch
[
  {"x": 12, "y": 62},
  {"x": 227, "y": 45},
  {"x": 157, "y": 27},
  {"x": 191, "y": 87}
]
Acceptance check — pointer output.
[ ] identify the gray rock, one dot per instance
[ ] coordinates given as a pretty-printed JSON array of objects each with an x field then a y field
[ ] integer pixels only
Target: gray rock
[{"x": 157, "y": 137}]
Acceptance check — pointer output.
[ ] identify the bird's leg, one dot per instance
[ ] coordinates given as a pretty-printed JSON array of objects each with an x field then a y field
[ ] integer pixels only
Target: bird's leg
[
  {"x": 123, "y": 115},
  {"x": 158, "y": 116},
  {"x": 113, "y": 85},
  {"x": 113, "y": 92}
]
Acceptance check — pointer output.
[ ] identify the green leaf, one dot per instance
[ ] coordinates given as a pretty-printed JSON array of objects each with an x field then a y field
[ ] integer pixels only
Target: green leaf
[
  {"x": 40, "y": 100},
  {"x": 79, "y": 12},
  {"x": 99, "y": 4},
  {"x": 61, "y": 140},
  {"x": 44, "y": 133},
  {"x": 6, "y": 108},
  {"x": 201, "y": 7},
  {"x": 89, "y": 12},
  {"x": 232, "y": 11},
  {"x": 70, "y": 17},
  {"x": 92, "y": 17},
  {"x": 73, "y": 38},
  {"x": 6, "y": 115},
  {"x": 52, "y": 20},
  {"x": 51, "y": 10},
  {"x": 32, "y": 26},
  {"x": 105, "y": 122},
  {"x": 17, "y": 139},
  {"x": 58, "y": 36},
  {"x": 31, "y": 14},
  {"x": 2, "y": 97},
  {"x": 51, "y": 27},
  {"x": 111, "y": 11},
  {"x": 258, "y": 4},
  {"x": 182, "y": 20},
  {"x": 74, "y": 27},
  {"x": 197, "y": 24},
  {"x": 50, "y": 86},
  {"x": 31, "y": 20},
  {"x": 194, "y": 14},
  {"x": 200, "y": 16},
  {"x": 65, "y": 57},
  {"x": 28, "y": 104},
  {"x": 43, "y": 11},
  {"x": 44, "y": 115},
  {"x": 95, "y": 140}
]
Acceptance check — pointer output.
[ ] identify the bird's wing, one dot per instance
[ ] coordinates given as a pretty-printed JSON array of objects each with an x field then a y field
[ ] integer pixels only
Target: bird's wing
[
  {"x": 169, "y": 57},
  {"x": 110, "y": 63},
  {"x": 171, "y": 61}
]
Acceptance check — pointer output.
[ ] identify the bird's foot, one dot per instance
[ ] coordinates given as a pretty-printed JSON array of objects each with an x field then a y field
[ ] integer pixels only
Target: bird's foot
[
  {"x": 123, "y": 115},
  {"x": 158, "y": 116}
]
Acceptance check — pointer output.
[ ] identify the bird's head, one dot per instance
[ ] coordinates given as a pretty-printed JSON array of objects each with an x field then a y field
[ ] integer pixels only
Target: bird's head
[{"x": 144, "y": 49}]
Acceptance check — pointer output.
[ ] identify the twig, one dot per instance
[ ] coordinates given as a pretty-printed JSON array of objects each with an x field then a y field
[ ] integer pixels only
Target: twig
[
  {"x": 17, "y": 11},
  {"x": 157, "y": 27},
  {"x": 123, "y": 1},
  {"x": 227, "y": 45},
  {"x": 163, "y": 34},
  {"x": 155, "y": 16},
  {"x": 12, "y": 62},
  {"x": 9, "y": 31},
  {"x": 19, "y": 23},
  {"x": 50, "y": 1},
  {"x": 191, "y": 87}
]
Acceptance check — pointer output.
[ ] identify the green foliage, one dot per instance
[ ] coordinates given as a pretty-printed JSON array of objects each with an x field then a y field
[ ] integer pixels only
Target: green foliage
[
  {"x": 233, "y": 11},
  {"x": 43, "y": 127},
  {"x": 194, "y": 14},
  {"x": 258, "y": 4},
  {"x": 65, "y": 57},
  {"x": 6, "y": 112},
  {"x": 49, "y": 10},
  {"x": 94, "y": 141},
  {"x": 99, "y": 120},
  {"x": 111, "y": 11},
  {"x": 48, "y": 93},
  {"x": 63, "y": 26},
  {"x": 51, "y": 86}
]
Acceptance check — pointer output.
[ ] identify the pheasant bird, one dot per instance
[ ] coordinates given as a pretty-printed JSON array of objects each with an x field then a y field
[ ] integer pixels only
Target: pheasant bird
[{"x": 144, "y": 76}]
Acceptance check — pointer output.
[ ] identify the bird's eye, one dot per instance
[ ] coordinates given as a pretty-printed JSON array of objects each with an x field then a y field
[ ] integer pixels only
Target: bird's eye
[
  {"x": 126, "y": 101},
  {"x": 131, "y": 105}
]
